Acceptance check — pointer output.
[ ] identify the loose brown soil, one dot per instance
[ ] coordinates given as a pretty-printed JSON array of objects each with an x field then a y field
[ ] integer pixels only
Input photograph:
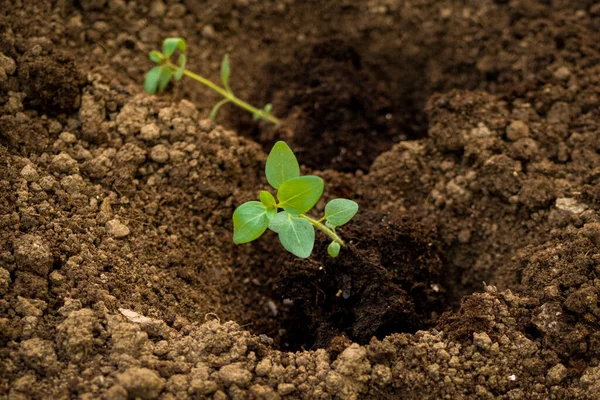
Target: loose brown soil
[{"x": 467, "y": 131}]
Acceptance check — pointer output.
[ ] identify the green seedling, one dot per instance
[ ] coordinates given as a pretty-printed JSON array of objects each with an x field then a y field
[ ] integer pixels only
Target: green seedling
[
  {"x": 159, "y": 77},
  {"x": 296, "y": 195}
]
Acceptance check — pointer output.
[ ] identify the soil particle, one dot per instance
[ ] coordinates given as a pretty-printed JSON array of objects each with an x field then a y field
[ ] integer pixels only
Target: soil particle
[
  {"x": 517, "y": 130},
  {"x": 75, "y": 335},
  {"x": 30, "y": 307},
  {"x": 4, "y": 281},
  {"x": 117, "y": 229},
  {"x": 150, "y": 132},
  {"x": 590, "y": 380},
  {"x": 7, "y": 64},
  {"x": 351, "y": 372},
  {"x": 159, "y": 154},
  {"x": 64, "y": 163},
  {"x": 141, "y": 382},
  {"x": 30, "y": 174},
  {"x": 32, "y": 254},
  {"x": 131, "y": 118},
  {"x": 39, "y": 355},
  {"x": 116, "y": 392},
  {"x": 582, "y": 299},
  {"x": 73, "y": 184},
  {"x": 235, "y": 374},
  {"x": 556, "y": 374},
  {"x": 153, "y": 327},
  {"x": 94, "y": 127}
]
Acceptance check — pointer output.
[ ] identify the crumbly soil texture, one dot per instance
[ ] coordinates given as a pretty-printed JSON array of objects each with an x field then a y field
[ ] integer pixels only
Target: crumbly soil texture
[{"x": 467, "y": 131}]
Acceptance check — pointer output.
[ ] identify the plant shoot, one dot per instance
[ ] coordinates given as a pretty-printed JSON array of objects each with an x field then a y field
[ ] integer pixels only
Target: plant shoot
[{"x": 285, "y": 213}]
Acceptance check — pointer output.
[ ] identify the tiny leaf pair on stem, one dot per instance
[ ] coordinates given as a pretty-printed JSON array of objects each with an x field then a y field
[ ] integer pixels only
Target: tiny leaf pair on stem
[
  {"x": 159, "y": 77},
  {"x": 296, "y": 195}
]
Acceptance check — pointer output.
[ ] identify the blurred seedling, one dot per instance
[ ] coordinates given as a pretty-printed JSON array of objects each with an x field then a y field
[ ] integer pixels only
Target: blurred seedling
[
  {"x": 296, "y": 195},
  {"x": 159, "y": 77}
]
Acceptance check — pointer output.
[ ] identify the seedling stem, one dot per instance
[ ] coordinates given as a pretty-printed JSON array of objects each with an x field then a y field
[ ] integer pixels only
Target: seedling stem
[
  {"x": 329, "y": 232},
  {"x": 158, "y": 78},
  {"x": 227, "y": 94}
]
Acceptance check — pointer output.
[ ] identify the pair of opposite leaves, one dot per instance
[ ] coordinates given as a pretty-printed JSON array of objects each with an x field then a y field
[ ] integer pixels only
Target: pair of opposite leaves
[{"x": 297, "y": 195}]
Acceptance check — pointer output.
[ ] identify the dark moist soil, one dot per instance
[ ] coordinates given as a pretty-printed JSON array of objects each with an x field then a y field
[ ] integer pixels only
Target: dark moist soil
[
  {"x": 467, "y": 131},
  {"x": 386, "y": 281},
  {"x": 346, "y": 114}
]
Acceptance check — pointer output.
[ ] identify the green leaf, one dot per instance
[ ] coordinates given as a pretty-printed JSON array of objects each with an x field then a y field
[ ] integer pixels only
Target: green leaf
[
  {"x": 281, "y": 165},
  {"x": 225, "y": 71},
  {"x": 333, "y": 249},
  {"x": 296, "y": 234},
  {"x": 340, "y": 211},
  {"x": 268, "y": 108},
  {"x": 269, "y": 202},
  {"x": 155, "y": 56},
  {"x": 267, "y": 199},
  {"x": 164, "y": 79},
  {"x": 298, "y": 195},
  {"x": 215, "y": 109},
  {"x": 172, "y": 44},
  {"x": 255, "y": 116},
  {"x": 152, "y": 78},
  {"x": 179, "y": 72},
  {"x": 279, "y": 222},
  {"x": 249, "y": 222}
]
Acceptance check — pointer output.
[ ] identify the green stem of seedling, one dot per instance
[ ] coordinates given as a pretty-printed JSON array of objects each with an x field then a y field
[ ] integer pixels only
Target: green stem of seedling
[
  {"x": 329, "y": 232},
  {"x": 231, "y": 97}
]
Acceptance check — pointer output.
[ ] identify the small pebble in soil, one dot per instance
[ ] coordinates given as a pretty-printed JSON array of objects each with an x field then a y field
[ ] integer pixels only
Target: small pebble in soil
[
  {"x": 117, "y": 229},
  {"x": 570, "y": 205}
]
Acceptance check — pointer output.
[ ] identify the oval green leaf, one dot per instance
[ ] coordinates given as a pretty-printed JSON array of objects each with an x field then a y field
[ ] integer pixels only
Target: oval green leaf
[
  {"x": 340, "y": 211},
  {"x": 164, "y": 79},
  {"x": 296, "y": 234},
  {"x": 333, "y": 249},
  {"x": 181, "y": 69},
  {"x": 269, "y": 202},
  {"x": 172, "y": 44},
  {"x": 249, "y": 222},
  {"x": 282, "y": 165},
  {"x": 279, "y": 222},
  {"x": 155, "y": 56},
  {"x": 267, "y": 199},
  {"x": 298, "y": 195},
  {"x": 151, "y": 81},
  {"x": 225, "y": 71}
]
